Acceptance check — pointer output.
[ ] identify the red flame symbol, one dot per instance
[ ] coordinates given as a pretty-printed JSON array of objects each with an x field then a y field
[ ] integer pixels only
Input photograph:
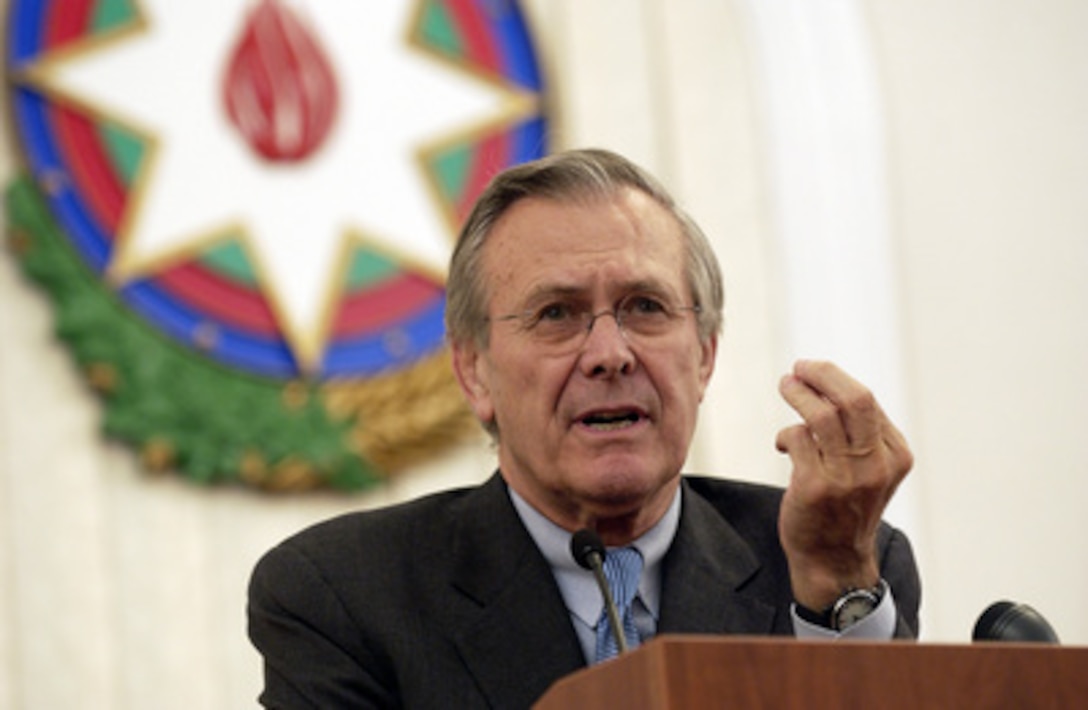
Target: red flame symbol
[{"x": 279, "y": 90}]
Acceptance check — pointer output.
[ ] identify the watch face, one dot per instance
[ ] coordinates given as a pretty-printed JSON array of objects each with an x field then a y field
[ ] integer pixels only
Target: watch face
[{"x": 853, "y": 608}]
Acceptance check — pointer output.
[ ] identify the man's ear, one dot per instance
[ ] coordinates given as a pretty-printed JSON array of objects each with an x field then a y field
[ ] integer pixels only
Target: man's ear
[
  {"x": 472, "y": 370},
  {"x": 708, "y": 355}
]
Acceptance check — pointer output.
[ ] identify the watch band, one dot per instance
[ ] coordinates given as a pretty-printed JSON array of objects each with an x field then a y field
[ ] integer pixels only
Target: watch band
[{"x": 817, "y": 618}]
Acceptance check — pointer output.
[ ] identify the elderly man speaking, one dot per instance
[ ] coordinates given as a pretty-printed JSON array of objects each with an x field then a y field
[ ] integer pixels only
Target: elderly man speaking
[{"x": 584, "y": 308}]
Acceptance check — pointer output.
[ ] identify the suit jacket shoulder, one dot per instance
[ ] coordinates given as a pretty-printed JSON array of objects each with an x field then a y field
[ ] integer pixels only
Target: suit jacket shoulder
[{"x": 440, "y": 602}]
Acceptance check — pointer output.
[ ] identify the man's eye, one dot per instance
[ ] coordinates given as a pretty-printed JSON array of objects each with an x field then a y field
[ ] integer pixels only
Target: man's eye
[
  {"x": 645, "y": 306},
  {"x": 554, "y": 312}
]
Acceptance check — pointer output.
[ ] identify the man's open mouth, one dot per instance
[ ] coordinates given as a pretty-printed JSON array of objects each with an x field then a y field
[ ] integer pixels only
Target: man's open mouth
[{"x": 608, "y": 421}]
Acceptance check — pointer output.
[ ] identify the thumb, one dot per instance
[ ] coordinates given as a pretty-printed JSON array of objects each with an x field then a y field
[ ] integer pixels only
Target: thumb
[{"x": 797, "y": 441}]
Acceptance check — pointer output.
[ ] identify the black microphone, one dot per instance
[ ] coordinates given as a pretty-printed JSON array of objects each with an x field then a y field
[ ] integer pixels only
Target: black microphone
[
  {"x": 589, "y": 552},
  {"x": 1006, "y": 621}
]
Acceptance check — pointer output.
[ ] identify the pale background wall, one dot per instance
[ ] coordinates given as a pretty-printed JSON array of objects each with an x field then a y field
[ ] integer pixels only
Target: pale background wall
[{"x": 935, "y": 149}]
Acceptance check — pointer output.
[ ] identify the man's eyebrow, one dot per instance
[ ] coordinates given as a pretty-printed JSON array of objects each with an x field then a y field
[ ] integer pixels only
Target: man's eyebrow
[
  {"x": 545, "y": 292},
  {"x": 647, "y": 286}
]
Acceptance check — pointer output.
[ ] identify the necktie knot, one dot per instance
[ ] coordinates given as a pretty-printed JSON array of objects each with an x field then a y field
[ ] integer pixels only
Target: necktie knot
[{"x": 623, "y": 569}]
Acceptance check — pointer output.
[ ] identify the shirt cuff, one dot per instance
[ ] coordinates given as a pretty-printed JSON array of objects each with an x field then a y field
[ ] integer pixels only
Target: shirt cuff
[{"x": 877, "y": 626}]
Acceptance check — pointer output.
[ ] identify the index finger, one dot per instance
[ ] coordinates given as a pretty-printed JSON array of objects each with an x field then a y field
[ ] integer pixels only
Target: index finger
[{"x": 855, "y": 404}]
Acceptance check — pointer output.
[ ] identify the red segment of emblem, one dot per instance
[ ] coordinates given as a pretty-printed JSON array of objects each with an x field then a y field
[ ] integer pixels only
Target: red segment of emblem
[
  {"x": 89, "y": 167},
  {"x": 67, "y": 21},
  {"x": 383, "y": 305},
  {"x": 491, "y": 151},
  {"x": 280, "y": 90},
  {"x": 210, "y": 293},
  {"x": 475, "y": 33}
]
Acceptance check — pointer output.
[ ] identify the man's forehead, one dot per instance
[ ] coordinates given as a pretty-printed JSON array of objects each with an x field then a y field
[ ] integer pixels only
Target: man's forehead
[
  {"x": 538, "y": 225},
  {"x": 536, "y": 258}
]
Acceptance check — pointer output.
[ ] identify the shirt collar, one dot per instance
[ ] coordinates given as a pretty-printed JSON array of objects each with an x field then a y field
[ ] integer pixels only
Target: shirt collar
[{"x": 576, "y": 584}]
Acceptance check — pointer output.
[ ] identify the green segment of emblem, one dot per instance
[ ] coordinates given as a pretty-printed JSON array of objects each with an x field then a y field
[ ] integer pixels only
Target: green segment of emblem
[
  {"x": 210, "y": 424},
  {"x": 438, "y": 30},
  {"x": 367, "y": 267},
  {"x": 230, "y": 260},
  {"x": 125, "y": 150},
  {"x": 111, "y": 13},
  {"x": 450, "y": 167}
]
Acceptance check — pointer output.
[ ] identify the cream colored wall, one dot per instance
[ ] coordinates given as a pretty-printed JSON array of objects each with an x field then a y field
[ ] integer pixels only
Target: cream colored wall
[
  {"x": 987, "y": 104},
  {"x": 122, "y": 591}
]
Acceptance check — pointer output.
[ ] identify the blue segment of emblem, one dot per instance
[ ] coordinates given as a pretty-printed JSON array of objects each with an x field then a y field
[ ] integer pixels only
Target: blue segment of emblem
[
  {"x": 517, "y": 48},
  {"x": 50, "y": 170},
  {"x": 409, "y": 340},
  {"x": 264, "y": 356},
  {"x": 25, "y": 30},
  {"x": 529, "y": 140}
]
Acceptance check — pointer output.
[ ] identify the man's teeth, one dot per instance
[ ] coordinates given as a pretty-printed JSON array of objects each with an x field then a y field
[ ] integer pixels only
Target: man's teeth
[
  {"x": 608, "y": 423},
  {"x": 609, "y": 426}
]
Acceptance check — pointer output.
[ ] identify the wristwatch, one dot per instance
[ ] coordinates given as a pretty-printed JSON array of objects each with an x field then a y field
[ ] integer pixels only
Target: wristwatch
[{"x": 853, "y": 606}]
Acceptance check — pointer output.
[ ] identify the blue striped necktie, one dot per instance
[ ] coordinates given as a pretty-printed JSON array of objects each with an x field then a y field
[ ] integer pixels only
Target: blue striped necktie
[{"x": 622, "y": 568}]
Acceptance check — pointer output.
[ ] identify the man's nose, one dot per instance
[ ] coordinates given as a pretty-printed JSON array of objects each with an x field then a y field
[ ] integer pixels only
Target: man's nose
[{"x": 606, "y": 351}]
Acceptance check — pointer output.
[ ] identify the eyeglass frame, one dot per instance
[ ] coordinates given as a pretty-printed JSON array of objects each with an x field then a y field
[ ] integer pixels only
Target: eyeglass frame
[{"x": 532, "y": 317}]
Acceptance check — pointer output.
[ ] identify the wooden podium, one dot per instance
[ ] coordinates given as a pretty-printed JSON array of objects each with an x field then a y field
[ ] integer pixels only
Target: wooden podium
[{"x": 692, "y": 672}]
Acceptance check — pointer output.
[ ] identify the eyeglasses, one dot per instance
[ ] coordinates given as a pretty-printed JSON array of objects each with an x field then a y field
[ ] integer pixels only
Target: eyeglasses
[{"x": 565, "y": 323}]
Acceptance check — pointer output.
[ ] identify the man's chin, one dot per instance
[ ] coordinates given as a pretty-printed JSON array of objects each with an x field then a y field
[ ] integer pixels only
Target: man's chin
[{"x": 622, "y": 492}]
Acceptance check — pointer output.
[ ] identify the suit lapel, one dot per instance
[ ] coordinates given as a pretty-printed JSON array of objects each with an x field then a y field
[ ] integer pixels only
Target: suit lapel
[
  {"x": 520, "y": 639},
  {"x": 704, "y": 577}
]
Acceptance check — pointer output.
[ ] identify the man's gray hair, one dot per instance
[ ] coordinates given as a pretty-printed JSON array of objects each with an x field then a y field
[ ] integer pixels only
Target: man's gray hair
[{"x": 582, "y": 176}]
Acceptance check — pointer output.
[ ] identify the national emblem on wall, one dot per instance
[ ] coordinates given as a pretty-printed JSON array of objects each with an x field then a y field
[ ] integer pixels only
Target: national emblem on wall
[{"x": 242, "y": 211}]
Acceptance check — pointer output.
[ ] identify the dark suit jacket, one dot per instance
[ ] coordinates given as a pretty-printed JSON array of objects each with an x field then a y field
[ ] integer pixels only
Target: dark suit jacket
[{"x": 445, "y": 602}]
